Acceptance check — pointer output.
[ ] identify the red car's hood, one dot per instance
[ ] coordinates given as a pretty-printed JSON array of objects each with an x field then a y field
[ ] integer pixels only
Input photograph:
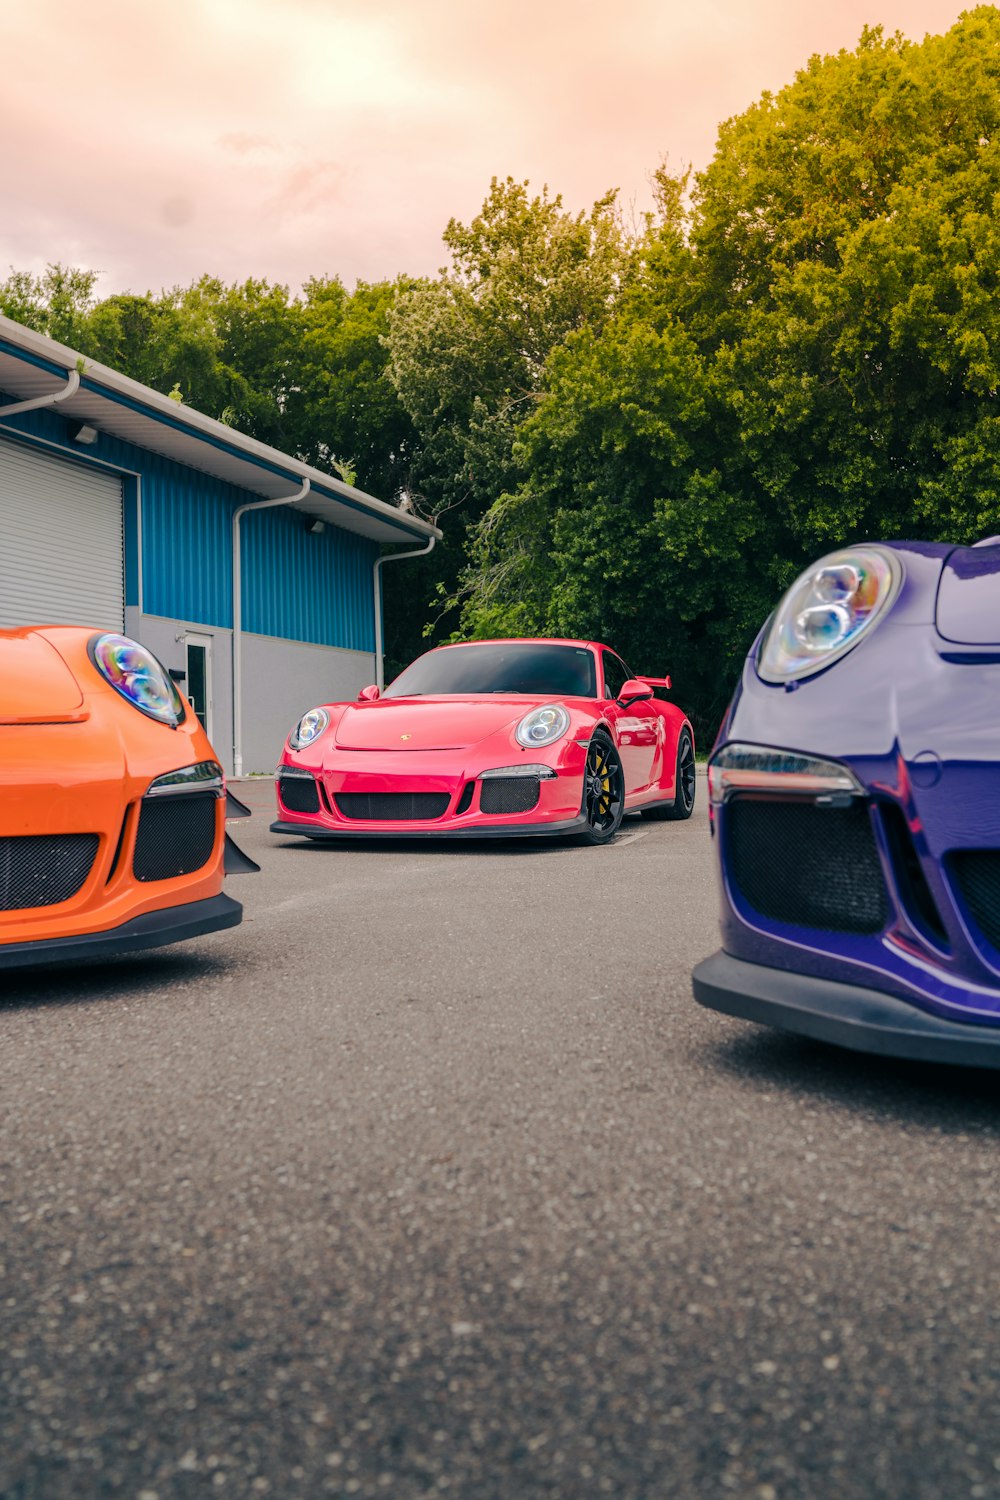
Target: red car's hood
[{"x": 427, "y": 723}]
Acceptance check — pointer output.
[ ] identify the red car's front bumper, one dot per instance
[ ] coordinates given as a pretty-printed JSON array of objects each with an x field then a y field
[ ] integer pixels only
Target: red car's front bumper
[{"x": 428, "y": 797}]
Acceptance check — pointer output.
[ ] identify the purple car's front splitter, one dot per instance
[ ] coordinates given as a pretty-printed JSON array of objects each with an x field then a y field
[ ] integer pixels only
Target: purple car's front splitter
[{"x": 845, "y": 1014}]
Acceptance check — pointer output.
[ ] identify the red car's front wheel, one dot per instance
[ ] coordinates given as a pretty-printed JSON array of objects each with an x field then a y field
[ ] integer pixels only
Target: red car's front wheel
[{"x": 603, "y": 791}]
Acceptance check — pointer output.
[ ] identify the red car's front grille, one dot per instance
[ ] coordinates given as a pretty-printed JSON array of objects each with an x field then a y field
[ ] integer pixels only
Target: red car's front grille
[
  {"x": 509, "y": 794},
  {"x": 392, "y": 807}
]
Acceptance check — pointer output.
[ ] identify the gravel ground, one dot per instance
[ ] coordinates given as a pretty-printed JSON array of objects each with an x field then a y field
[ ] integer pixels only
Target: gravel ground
[{"x": 432, "y": 1179}]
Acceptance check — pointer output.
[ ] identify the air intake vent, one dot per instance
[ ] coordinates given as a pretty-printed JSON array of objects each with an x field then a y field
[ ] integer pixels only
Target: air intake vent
[
  {"x": 43, "y": 869},
  {"x": 977, "y": 874},
  {"x": 509, "y": 794},
  {"x": 176, "y": 836},
  {"x": 805, "y": 865},
  {"x": 911, "y": 882},
  {"x": 299, "y": 793},
  {"x": 392, "y": 807},
  {"x": 465, "y": 801}
]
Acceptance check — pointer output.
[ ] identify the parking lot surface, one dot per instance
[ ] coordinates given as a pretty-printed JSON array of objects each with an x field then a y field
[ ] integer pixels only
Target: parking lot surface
[{"x": 431, "y": 1179}]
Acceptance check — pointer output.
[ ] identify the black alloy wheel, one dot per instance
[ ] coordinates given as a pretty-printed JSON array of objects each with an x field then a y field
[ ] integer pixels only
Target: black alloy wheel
[
  {"x": 603, "y": 790},
  {"x": 684, "y": 784}
]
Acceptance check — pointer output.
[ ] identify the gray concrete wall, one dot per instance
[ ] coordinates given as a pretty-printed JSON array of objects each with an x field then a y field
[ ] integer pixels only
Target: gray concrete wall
[
  {"x": 282, "y": 680},
  {"x": 165, "y": 638}
]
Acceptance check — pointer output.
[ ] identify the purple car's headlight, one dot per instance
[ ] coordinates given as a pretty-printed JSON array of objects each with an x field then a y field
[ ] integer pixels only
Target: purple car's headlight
[
  {"x": 137, "y": 675},
  {"x": 827, "y": 610}
]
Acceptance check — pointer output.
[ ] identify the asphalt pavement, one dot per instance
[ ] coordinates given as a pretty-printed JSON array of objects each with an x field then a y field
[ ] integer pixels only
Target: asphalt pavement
[{"x": 432, "y": 1179}]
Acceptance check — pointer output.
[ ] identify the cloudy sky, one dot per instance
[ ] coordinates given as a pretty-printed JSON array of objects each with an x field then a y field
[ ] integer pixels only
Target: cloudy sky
[{"x": 290, "y": 138}]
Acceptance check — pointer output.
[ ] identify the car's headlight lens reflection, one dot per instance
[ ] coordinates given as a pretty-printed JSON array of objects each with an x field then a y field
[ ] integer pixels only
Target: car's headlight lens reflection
[
  {"x": 137, "y": 675},
  {"x": 543, "y": 726},
  {"x": 827, "y": 610},
  {"x": 309, "y": 728}
]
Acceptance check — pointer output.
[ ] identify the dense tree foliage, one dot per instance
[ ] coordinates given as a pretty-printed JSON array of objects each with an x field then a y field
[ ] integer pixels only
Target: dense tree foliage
[
  {"x": 306, "y": 374},
  {"x": 806, "y": 355},
  {"x": 642, "y": 433}
]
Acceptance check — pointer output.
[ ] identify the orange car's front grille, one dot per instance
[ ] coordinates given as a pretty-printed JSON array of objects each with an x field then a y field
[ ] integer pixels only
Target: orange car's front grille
[
  {"x": 176, "y": 836},
  {"x": 44, "y": 869}
]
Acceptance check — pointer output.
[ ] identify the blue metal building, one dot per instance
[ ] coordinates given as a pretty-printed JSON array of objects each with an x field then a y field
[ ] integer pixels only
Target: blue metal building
[{"x": 124, "y": 509}]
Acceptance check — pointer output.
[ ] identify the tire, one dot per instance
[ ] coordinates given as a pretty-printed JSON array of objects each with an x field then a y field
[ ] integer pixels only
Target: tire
[
  {"x": 603, "y": 791},
  {"x": 685, "y": 780}
]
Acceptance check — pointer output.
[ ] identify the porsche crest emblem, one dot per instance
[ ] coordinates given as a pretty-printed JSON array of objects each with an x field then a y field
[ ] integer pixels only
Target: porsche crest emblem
[{"x": 406, "y": 736}]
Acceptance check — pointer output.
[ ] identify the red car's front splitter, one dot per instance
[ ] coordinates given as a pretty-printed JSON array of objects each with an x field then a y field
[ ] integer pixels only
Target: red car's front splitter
[{"x": 428, "y": 831}]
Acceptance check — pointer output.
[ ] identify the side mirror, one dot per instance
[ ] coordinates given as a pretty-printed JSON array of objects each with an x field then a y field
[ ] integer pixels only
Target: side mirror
[
  {"x": 368, "y": 694},
  {"x": 634, "y": 691}
]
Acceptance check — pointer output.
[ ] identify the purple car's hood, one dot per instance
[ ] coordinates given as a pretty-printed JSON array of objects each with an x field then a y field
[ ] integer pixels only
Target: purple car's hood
[{"x": 968, "y": 601}]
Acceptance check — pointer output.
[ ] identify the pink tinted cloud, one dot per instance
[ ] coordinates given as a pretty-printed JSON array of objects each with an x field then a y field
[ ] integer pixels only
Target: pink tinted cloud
[{"x": 312, "y": 137}]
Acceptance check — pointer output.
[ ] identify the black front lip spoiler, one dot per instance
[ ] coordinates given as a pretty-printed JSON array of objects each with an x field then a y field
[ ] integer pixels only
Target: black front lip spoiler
[
  {"x": 844, "y": 1014},
  {"x": 510, "y": 831},
  {"x": 154, "y": 929}
]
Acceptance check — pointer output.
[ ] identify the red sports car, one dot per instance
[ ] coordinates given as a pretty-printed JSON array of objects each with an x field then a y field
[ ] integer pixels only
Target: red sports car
[{"x": 491, "y": 738}]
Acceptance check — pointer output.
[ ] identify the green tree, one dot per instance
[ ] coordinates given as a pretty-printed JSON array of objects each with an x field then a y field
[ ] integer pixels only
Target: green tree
[
  {"x": 848, "y": 266},
  {"x": 59, "y": 302},
  {"x": 468, "y": 351},
  {"x": 346, "y": 409}
]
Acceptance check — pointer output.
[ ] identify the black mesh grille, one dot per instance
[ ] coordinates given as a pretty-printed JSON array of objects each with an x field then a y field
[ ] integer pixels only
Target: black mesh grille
[
  {"x": 176, "y": 836},
  {"x": 299, "y": 794},
  {"x": 392, "y": 807},
  {"x": 44, "y": 869},
  {"x": 509, "y": 794},
  {"x": 806, "y": 865},
  {"x": 977, "y": 872}
]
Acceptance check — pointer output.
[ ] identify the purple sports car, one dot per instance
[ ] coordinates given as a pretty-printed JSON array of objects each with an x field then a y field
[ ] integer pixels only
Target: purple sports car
[{"x": 855, "y": 801}]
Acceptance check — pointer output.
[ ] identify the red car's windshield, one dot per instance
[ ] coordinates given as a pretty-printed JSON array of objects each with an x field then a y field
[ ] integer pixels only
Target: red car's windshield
[{"x": 500, "y": 667}]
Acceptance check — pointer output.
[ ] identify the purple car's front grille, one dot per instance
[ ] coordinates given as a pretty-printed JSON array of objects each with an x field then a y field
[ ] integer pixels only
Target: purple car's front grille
[
  {"x": 807, "y": 866},
  {"x": 977, "y": 874}
]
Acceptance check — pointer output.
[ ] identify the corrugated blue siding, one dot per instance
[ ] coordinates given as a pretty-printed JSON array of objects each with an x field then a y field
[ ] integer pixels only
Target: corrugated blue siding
[
  {"x": 304, "y": 587},
  {"x": 295, "y": 586},
  {"x": 187, "y": 542}
]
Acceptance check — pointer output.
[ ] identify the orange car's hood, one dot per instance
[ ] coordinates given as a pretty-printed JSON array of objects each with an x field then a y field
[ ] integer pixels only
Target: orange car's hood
[
  {"x": 426, "y": 723},
  {"x": 36, "y": 685}
]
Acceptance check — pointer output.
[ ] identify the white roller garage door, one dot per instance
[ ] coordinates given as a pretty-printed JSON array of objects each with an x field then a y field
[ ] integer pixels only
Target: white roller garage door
[{"x": 61, "y": 548}]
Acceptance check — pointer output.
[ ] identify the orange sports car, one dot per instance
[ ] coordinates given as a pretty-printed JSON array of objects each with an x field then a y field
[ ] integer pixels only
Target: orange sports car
[{"x": 112, "y": 803}]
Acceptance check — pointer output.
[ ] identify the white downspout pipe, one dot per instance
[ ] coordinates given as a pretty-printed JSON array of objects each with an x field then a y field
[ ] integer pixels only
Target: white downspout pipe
[
  {"x": 377, "y": 579},
  {"x": 238, "y": 515},
  {"x": 69, "y": 389}
]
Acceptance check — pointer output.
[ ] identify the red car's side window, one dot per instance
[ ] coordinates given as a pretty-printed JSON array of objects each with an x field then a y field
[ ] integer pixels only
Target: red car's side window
[{"x": 616, "y": 674}]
